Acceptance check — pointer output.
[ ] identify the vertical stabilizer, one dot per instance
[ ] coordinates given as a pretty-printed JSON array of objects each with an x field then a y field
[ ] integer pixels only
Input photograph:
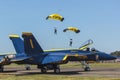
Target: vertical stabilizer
[
  {"x": 31, "y": 45},
  {"x": 17, "y": 43}
]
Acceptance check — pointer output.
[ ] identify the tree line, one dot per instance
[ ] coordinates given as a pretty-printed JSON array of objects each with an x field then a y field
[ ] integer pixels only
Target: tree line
[{"x": 116, "y": 53}]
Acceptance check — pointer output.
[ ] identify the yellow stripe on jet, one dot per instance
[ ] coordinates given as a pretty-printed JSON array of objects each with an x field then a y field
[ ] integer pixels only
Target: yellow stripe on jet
[
  {"x": 13, "y": 36},
  {"x": 65, "y": 58},
  {"x": 84, "y": 47},
  {"x": 31, "y": 43}
]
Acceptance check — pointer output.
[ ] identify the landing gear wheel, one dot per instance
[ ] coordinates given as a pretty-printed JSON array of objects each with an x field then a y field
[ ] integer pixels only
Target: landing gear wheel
[
  {"x": 43, "y": 70},
  {"x": 1, "y": 68},
  {"x": 28, "y": 68},
  {"x": 87, "y": 69},
  {"x": 57, "y": 70}
]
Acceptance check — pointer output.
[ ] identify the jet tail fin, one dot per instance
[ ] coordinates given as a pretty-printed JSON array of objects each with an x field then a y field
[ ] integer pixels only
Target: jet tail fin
[
  {"x": 31, "y": 45},
  {"x": 17, "y": 43}
]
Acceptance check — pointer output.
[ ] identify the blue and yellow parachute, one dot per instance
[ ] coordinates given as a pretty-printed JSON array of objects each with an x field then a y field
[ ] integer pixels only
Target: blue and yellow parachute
[
  {"x": 55, "y": 17},
  {"x": 76, "y": 30}
]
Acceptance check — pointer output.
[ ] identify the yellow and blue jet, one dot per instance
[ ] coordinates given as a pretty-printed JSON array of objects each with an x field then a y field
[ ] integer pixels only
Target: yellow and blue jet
[
  {"x": 31, "y": 53},
  {"x": 8, "y": 58},
  {"x": 5, "y": 59}
]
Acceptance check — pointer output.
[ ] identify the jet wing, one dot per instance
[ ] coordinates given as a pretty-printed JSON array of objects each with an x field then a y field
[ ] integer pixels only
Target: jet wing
[{"x": 54, "y": 58}]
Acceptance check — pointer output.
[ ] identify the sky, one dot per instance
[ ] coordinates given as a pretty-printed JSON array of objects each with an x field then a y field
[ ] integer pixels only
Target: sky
[{"x": 98, "y": 20}]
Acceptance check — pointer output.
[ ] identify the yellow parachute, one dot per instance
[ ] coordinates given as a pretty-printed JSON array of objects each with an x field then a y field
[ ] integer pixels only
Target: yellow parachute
[
  {"x": 55, "y": 17},
  {"x": 76, "y": 30}
]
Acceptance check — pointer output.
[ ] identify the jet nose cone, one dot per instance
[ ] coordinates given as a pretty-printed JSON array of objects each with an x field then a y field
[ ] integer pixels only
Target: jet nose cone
[
  {"x": 113, "y": 57},
  {"x": 105, "y": 56}
]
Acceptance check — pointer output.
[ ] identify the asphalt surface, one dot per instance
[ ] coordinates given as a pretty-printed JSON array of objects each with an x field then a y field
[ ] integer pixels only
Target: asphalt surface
[{"x": 96, "y": 71}]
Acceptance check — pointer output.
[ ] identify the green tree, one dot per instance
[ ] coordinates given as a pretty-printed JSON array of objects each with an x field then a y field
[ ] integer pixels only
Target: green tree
[{"x": 116, "y": 53}]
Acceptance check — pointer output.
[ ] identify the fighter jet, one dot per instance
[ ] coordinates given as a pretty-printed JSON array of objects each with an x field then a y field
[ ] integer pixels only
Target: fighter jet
[{"x": 50, "y": 60}]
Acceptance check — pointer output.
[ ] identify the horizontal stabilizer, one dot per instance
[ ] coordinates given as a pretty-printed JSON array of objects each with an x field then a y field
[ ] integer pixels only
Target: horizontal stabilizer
[
  {"x": 19, "y": 59},
  {"x": 1, "y": 59}
]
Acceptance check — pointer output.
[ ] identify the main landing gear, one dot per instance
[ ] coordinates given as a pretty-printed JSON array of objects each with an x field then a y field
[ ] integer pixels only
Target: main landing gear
[
  {"x": 1, "y": 68},
  {"x": 27, "y": 67},
  {"x": 85, "y": 66},
  {"x": 57, "y": 70},
  {"x": 44, "y": 69}
]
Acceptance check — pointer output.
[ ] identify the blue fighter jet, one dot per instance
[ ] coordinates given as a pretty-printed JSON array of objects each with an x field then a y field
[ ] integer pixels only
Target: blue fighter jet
[
  {"x": 4, "y": 60},
  {"x": 32, "y": 53},
  {"x": 8, "y": 58}
]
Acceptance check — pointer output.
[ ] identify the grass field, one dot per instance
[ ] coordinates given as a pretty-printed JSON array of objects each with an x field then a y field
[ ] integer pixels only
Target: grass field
[
  {"x": 62, "y": 77},
  {"x": 50, "y": 77}
]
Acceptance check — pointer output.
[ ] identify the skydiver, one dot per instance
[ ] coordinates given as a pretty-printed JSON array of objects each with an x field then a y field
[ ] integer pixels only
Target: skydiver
[
  {"x": 71, "y": 42},
  {"x": 55, "y": 30}
]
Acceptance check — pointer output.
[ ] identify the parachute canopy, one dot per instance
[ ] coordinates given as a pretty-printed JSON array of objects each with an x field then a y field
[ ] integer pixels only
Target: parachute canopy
[
  {"x": 55, "y": 17},
  {"x": 76, "y": 30}
]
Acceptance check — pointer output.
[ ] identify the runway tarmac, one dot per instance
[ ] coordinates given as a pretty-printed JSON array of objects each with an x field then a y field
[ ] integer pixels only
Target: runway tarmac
[{"x": 96, "y": 71}]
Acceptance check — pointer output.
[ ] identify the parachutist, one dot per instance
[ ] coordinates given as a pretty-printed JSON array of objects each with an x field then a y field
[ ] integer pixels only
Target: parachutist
[
  {"x": 71, "y": 42},
  {"x": 55, "y": 30}
]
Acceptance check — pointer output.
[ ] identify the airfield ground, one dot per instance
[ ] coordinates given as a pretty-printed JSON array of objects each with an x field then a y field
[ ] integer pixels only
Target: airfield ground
[{"x": 70, "y": 71}]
